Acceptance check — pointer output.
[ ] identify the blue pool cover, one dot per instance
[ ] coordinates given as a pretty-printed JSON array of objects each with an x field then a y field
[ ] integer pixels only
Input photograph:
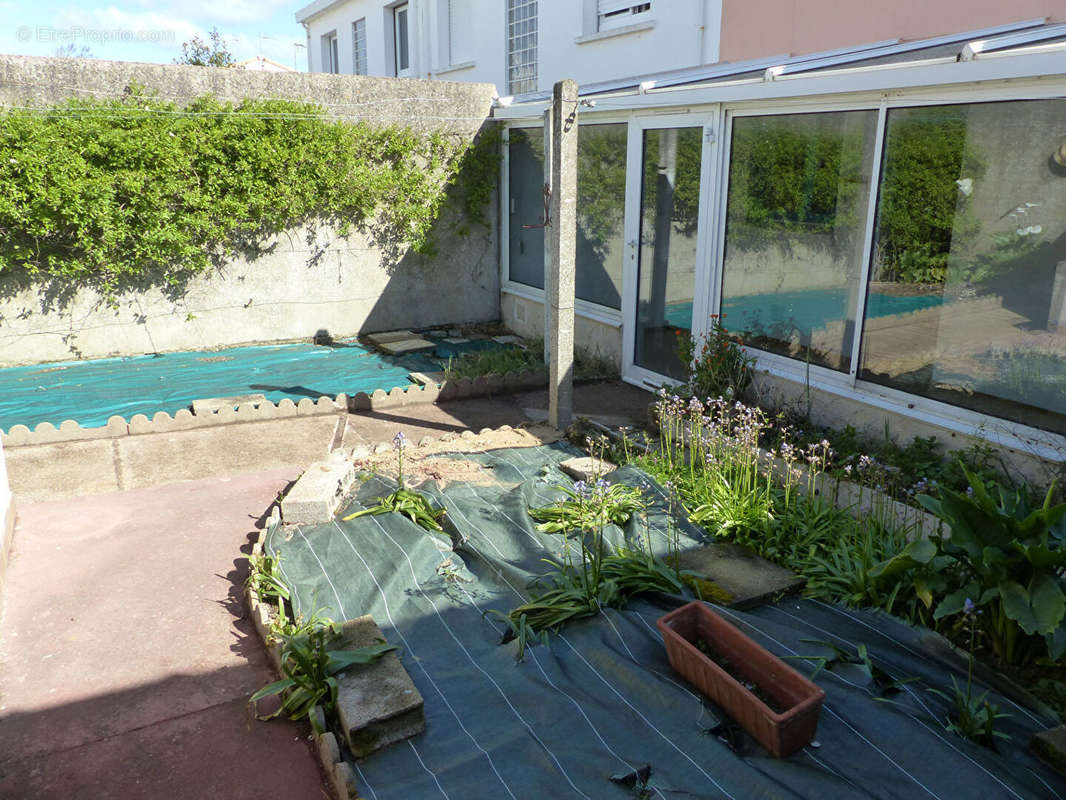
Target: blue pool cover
[{"x": 92, "y": 391}]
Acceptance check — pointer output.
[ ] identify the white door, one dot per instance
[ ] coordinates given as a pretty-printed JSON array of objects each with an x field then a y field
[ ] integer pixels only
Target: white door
[{"x": 670, "y": 191}]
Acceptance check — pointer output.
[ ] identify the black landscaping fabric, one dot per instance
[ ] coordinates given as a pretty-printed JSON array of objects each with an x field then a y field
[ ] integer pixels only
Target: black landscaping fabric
[{"x": 598, "y": 712}]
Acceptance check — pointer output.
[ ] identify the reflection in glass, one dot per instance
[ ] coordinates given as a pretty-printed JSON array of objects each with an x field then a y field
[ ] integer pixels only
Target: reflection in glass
[
  {"x": 526, "y": 180},
  {"x": 798, "y": 194},
  {"x": 669, "y": 208},
  {"x": 970, "y": 248},
  {"x": 601, "y": 194}
]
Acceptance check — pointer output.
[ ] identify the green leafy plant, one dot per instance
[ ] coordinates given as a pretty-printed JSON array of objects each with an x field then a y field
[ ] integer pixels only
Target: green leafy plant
[
  {"x": 881, "y": 682},
  {"x": 590, "y": 507},
  {"x": 718, "y": 363},
  {"x": 416, "y": 507},
  {"x": 1002, "y": 555},
  {"x": 599, "y": 576},
  {"x": 310, "y": 662},
  {"x": 118, "y": 193},
  {"x": 498, "y": 360},
  {"x": 264, "y": 577},
  {"x": 973, "y": 716}
]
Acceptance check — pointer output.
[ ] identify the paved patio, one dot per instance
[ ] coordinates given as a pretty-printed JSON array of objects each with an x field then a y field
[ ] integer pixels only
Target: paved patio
[{"x": 126, "y": 658}]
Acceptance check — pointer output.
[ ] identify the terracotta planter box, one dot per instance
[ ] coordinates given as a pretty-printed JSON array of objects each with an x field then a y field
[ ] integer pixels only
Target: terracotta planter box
[{"x": 783, "y": 732}]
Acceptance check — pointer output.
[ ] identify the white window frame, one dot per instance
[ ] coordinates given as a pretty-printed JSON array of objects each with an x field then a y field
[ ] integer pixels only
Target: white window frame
[
  {"x": 331, "y": 53},
  {"x": 951, "y": 418},
  {"x": 359, "y": 38},
  {"x": 508, "y": 39},
  {"x": 583, "y": 308},
  {"x": 398, "y": 71},
  {"x": 707, "y": 119}
]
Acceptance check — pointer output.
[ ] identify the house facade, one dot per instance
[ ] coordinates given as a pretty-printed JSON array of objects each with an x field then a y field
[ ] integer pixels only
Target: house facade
[
  {"x": 525, "y": 46},
  {"x": 521, "y": 46}
]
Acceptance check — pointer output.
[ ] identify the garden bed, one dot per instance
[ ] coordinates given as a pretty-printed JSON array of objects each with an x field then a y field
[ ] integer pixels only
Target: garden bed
[{"x": 598, "y": 712}]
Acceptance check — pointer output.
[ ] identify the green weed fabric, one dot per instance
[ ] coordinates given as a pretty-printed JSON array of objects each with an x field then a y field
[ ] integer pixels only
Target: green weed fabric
[{"x": 598, "y": 712}]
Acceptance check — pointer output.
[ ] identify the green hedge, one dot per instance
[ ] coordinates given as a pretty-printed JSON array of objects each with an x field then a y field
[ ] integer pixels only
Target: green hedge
[{"x": 110, "y": 193}]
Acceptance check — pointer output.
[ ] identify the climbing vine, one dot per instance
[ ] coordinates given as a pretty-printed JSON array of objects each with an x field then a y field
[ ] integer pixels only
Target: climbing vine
[{"x": 136, "y": 190}]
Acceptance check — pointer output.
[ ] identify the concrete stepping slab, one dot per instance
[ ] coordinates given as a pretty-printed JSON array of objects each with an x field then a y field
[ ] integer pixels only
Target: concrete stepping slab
[
  {"x": 377, "y": 704},
  {"x": 510, "y": 339},
  {"x": 210, "y": 405},
  {"x": 389, "y": 336},
  {"x": 456, "y": 340},
  {"x": 1050, "y": 745},
  {"x": 749, "y": 579},
  {"x": 406, "y": 345},
  {"x": 427, "y": 378},
  {"x": 586, "y": 468}
]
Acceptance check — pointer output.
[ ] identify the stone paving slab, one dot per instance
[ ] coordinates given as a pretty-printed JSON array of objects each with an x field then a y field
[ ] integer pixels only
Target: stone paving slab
[
  {"x": 749, "y": 579},
  {"x": 389, "y": 336},
  {"x": 427, "y": 378},
  {"x": 377, "y": 703},
  {"x": 401, "y": 346}
]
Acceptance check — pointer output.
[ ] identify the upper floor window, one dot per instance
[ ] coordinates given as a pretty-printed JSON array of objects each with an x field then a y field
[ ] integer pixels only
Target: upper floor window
[
  {"x": 401, "y": 27},
  {"x": 359, "y": 46},
  {"x": 521, "y": 46},
  {"x": 330, "y": 54},
  {"x": 460, "y": 32},
  {"x": 618, "y": 13}
]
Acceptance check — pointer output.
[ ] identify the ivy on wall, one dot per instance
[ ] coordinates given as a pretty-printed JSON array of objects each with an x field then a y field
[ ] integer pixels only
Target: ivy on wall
[{"x": 137, "y": 191}]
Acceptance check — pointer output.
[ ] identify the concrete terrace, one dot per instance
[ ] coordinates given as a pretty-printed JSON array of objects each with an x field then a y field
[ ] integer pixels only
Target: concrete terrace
[{"x": 126, "y": 652}]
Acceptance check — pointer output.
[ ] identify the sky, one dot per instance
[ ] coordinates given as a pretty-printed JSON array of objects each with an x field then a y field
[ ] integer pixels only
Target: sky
[{"x": 141, "y": 30}]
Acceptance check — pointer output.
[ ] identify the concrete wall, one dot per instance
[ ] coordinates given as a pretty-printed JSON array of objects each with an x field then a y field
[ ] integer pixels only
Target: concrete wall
[
  {"x": 757, "y": 28},
  {"x": 306, "y": 283},
  {"x": 526, "y": 318},
  {"x": 674, "y": 35}
]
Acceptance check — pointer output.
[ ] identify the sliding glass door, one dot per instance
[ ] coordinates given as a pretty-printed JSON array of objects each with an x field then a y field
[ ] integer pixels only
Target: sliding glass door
[{"x": 666, "y": 243}]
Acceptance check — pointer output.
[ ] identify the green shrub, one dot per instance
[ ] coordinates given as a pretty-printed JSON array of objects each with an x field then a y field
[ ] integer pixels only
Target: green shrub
[{"x": 123, "y": 192}]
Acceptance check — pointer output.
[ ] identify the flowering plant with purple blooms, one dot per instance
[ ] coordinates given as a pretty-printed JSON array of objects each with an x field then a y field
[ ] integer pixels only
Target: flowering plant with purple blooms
[
  {"x": 972, "y": 716},
  {"x": 413, "y": 505}
]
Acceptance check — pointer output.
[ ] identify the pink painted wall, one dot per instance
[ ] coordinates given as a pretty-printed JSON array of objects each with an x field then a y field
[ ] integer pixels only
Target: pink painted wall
[{"x": 755, "y": 28}]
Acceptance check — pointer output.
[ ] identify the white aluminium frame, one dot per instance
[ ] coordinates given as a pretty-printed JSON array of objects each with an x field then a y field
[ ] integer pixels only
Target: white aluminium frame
[
  {"x": 952, "y": 418},
  {"x": 605, "y": 315},
  {"x": 1041, "y": 75},
  {"x": 707, "y": 120}
]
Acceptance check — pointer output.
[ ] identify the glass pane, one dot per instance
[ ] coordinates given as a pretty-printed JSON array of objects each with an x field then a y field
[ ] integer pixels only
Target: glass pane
[
  {"x": 967, "y": 298},
  {"x": 798, "y": 195},
  {"x": 669, "y": 216},
  {"x": 401, "y": 35},
  {"x": 601, "y": 191},
  {"x": 526, "y": 182}
]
